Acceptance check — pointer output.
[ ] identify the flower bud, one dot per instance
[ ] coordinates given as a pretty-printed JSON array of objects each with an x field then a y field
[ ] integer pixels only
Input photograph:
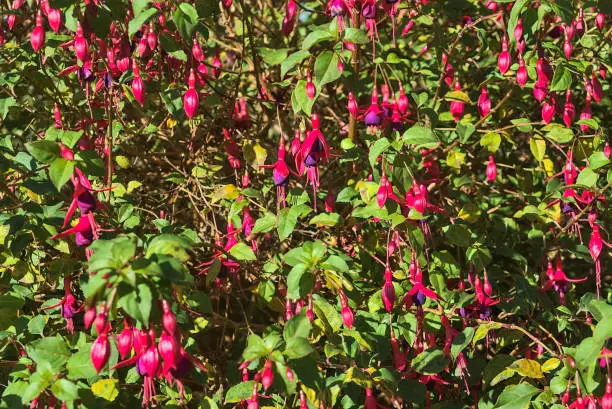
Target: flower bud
[
  {"x": 267, "y": 376},
  {"x": 100, "y": 352},
  {"x": 491, "y": 169},
  {"x": 484, "y": 102}
]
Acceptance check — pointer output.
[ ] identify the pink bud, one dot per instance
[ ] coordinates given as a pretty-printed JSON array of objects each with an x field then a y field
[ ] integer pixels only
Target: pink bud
[
  {"x": 567, "y": 48},
  {"x": 311, "y": 91},
  {"x": 347, "y": 316},
  {"x": 196, "y": 51},
  {"x": 352, "y": 105},
  {"x": 595, "y": 243},
  {"x": 402, "y": 101},
  {"x": 370, "y": 400},
  {"x": 217, "y": 65},
  {"x": 168, "y": 350},
  {"x": 267, "y": 376},
  {"x": 296, "y": 143},
  {"x": 125, "y": 340},
  {"x": 138, "y": 87},
  {"x": 340, "y": 66},
  {"x": 521, "y": 73},
  {"x": 600, "y": 21},
  {"x": 491, "y": 169},
  {"x": 602, "y": 71},
  {"x": 569, "y": 110},
  {"x": 303, "y": 402},
  {"x": 504, "y": 60},
  {"x": 289, "y": 374},
  {"x": 540, "y": 89},
  {"x": 607, "y": 150},
  {"x": 101, "y": 322},
  {"x": 484, "y": 102},
  {"x": 606, "y": 399},
  {"x": 191, "y": 100},
  {"x": 520, "y": 46},
  {"x": 143, "y": 46},
  {"x": 37, "y": 38},
  {"x": 548, "y": 111},
  {"x": 66, "y": 152},
  {"x": 570, "y": 30},
  {"x": 597, "y": 91},
  {"x": 54, "y": 17},
  {"x": 586, "y": 112},
  {"x": 89, "y": 317},
  {"x": 100, "y": 352},
  {"x": 388, "y": 291},
  {"x": 543, "y": 70},
  {"x": 518, "y": 30},
  {"x": 330, "y": 201},
  {"x": 149, "y": 360},
  {"x": 408, "y": 27},
  {"x": 81, "y": 48},
  {"x": 580, "y": 25},
  {"x": 152, "y": 38}
]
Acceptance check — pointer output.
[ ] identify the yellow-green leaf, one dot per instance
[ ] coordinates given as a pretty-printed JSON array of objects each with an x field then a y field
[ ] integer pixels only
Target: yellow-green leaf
[
  {"x": 106, "y": 389},
  {"x": 229, "y": 192},
  {"x": 528, "y": 368},
  {"x": 550, "y": 365}
]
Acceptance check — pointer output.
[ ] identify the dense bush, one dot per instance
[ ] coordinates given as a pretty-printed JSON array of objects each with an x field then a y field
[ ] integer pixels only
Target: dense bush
[{"x": 270, "y": 203}]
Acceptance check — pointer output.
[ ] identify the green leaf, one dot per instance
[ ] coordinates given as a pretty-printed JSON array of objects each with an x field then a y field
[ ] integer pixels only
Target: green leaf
[
  {"x": 491, "y": 141},
  {"x": 138, "y": 6},
  {"x": 587, "y": 177},
  {"x": 457, "y": 96},
  {"x": 60, "y": 172},
  {"x": 137, "y": 22},
  {"x": 465, "y": 130},
  {"x": 558, "y": 133},
  {"x": 458, "y": 235},
  {"x": 562, "y": 79},
  {"x": 315, "y": 37},
  {"x": 241, "y": 251},
  {"x": 377, "y": 149},
  {"x": 430, "y": 361},
  {"x": 137, "y": 304},
  {"x": 170, "y": 245},
  {"x": 417, "y": 135},
  {"x": 461, "y": 341},
  {"x": 331, "y": 318},
  {"x": 264, "y": 224},
  {"x": 297, "y": 326},
  {"x": 335, "y": 263},
  {"x": 70, "y": 138},
  {"x": 286, "y": 223},
  {"x": 587, "y": 352},
  {"x": 273, "y": 56},
  {"x": 5, "y": 104},
  {"x": 537, "y": 146},
  {"x": 65, "y": 390},
  {"x": 516, "y": 397},
  {"x": 292, "y": 60},
  {"x": 299, "y": 282},
  {"x": 50, "y": 350},
  {"x": 298, "y": 347},
  {"x": 79, "y": 365},
  {"x": 106, "y": 389},
  {"x": 44, "y": 151},
  {"x": 325, "y": 219},
  {"x": 8, "y": 301},
  {"x": 171, "y": 46},
  {"x": 239, "y": 392},
  {"x": 356, "y": 36},
  {"x": 185, "y": 17},
  {"x": 255, "y": 348},
  {"x": 515, "y": 13},
  {"x": 326, "y": 69}
]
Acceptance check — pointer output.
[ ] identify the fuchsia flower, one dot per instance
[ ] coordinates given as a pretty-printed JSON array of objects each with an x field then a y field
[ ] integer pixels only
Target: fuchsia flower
[
  {"x": 600, "y": 22},
  {"x": 418, "y": 293},
  {"x": 267, "y": 375},
  {"x": 313, "y": 150},
  {"x": 385, "y": 191},
  {"x": 228, "y": 265},
  {"x": 81, "y": 48},
  {"x": 596, "y": 89},
  {"x": 548, "y": 110},
  {"x": 348, "y": 317},
  {"x": 69, "y": 305},
  {"x": 280, "y": 172},
  {"x": 595, "y": 247},
  {"x": 556, "y": 279}
]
